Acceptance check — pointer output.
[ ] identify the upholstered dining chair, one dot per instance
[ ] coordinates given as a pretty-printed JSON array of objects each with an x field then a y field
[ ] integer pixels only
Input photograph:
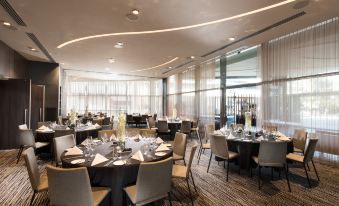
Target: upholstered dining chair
[
  {"x": 72, "y": 187},
  {"x": 151, "y": 123},
  {"x": 39, "y": 182},
  {"x": 307, "y": 157},
  {"x": 179, "y": 147},
  {"x": 26, "y": 139},
  {"x": 195, "y": 127},
  {"x": 106, "y": 121},
  {"x": 186, "y": 126},
  {"x": 109, "y": 133},
  {"x": 299, "y": 140},
  {"x": 184, "y": 172},
  {"x": 153, "y": 182},
  {"x": 220, "y": 149},
  {"x": 271, "y": 154},
  {"x": 163, "y": 127},
  {"x": 148, "y": 133},
  {"x": 209, "y": 129},
  {"x": 60, "y": 145}
]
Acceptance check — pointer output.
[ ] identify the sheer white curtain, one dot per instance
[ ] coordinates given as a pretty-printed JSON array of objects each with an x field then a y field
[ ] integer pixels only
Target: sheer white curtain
[
  {"x": 111, "y": 97},
  {"x": 300, "y": 74}
]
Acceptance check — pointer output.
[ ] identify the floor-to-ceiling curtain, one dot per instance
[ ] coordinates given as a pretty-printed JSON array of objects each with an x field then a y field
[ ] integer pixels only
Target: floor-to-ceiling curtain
[{"x": 300, "y": 74}]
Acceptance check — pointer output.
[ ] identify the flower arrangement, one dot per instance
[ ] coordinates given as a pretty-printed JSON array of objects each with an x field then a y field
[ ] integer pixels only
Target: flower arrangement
[
  {"x": 248, "y": 121},
  {"x": 121, "y": 127},
  {"x": 73, "y": 118}
]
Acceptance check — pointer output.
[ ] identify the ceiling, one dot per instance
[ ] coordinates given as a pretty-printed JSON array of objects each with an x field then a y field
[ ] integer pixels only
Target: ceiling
[{"x": 56, "y": 22}]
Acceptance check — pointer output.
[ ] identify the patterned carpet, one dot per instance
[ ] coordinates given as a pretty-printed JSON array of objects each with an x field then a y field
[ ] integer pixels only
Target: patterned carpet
[{"x": 212, "y": 187}]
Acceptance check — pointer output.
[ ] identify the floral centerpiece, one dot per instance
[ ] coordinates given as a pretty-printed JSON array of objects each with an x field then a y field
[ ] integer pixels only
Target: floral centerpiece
[
  {"x": 73, "y": 117},
  {"x": 121, "y": 127},
  {"x": 248, "y": 121}
]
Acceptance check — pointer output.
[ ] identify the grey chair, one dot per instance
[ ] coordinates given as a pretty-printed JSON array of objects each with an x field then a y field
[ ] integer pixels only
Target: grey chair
[
  {"x": 179, "y": 147},
  {"x": 151, "y": 123},
  {"x": 39, "y": 182},
  {"x": 69, "y": 187},
  {"x": 63, "y": 132},
  {"x": 163, "y": 127},
  {"x": 26, "y": 139},
  {"x": 209, "y": 129},
  {"x": 306, "y": 158},
  {"x": 184, "y": 172},
  {"x": 129, "y": 119},
  {"x": 299, "y": 140},
  {"x": 153, "y": 182},
  {"x": 220, "y": 149},
  {"x": 272, "y": 154},
  {"x": 60, "y": 145},
  {"x": 186, "y": 127}
]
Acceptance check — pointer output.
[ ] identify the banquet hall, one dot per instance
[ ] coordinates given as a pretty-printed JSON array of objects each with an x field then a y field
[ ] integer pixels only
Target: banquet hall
[{"x": 155, "y": 102}]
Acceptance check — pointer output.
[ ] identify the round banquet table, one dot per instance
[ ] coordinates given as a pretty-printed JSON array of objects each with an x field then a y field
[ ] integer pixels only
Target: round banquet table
[
  {"x": 107, "y": 174},
  {"x": 248, "y": 148}
]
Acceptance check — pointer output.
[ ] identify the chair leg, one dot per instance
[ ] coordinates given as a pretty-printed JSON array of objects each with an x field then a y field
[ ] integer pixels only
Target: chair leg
[
  {"x": 169, "y": 198},
  {"x": 259, "y": 174},
  {"x": 184, "y": 162},
  {"x": 288, "y": 181},
  {"x": 32, "y": 198},
  {"x": 19, "y": 154},
  {"x": 189, "y": 190},
  {"x": 308, "y": 167},
  {"x": 308, "y": 179},
  {"x": 271, "y": 173},
  {"x": 225, "y": 164},
  {"x": 195, "y": 188},
  {"x": 228, "y": 166},
  {"x": 199, "y": 154},
  {"x": 209, "y": 163},
  {"x": 316, "y": 172}
]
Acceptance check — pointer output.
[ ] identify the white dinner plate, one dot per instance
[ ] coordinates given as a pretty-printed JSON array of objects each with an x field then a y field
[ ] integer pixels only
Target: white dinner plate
[
  {"x": 160, "y": 154},
  {"x": 119, "y": 162},
  {"x": 78, "y": 161}
]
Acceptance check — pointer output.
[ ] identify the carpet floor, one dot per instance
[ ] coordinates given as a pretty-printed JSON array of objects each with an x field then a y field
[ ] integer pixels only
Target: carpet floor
[{"x": 212, "y": 188}]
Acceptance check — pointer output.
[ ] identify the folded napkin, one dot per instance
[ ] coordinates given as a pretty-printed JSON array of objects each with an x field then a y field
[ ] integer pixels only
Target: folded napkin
[
  {"x": 283, "y": 138},
  {"x": 43, "y": 127},
  {"x": 159, "y": 140},
  {"x": 162, "y": 147},
  {"x": 98, "y": 159},
  {"x": 96, "y": 125},
  {"x": 218, "y": 132},
  {"x": 261, "y": 138},
  {"x": 138, "y": 156},
  {"x": 113, "y": 137},
  {"x": 73, "y": 151},
  {"x": 231, "y": 136},
  {"x": 67, "y": 128}
]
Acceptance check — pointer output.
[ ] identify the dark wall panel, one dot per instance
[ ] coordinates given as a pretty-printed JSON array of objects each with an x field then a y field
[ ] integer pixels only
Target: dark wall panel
[{"x": 12, "y": 64}]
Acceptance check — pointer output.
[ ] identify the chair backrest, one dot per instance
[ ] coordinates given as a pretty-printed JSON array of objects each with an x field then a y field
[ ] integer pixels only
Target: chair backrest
[
  {"x": 179, "y": 145},
  {"x": 61, "y": 144},
  {"x": 195, "y": 123},
  {"x": 106, "y": 121},
  {"x": 311, "y": 144},
  {"x": 69, "y": 186},
  {"x": 219, "y": 146},
  {"x": 272, "y": 153},
  {"x": 47, "y": 124},
  {"x": 144, "y": 117},
  {"x": 162, "y": 126},
  {"x": 154, "y": 180},
  {"x": 151, "y": 122},
  {"x": 148, "y": 133},
  {"x": 63, "y": 132},
  {"x": 299, "y": 139},
  {"x": 155, "y": 117},
  {"x": 186, "y": 126},
  {"x": 193, "y": 149},
  {"x": 97, "y": 121},
  {"x": 129, "y": 117},
  {"x": 26, "y": 138},
  {"x": 23, "y": 126},
  {"x": 209, "y": 129},
  {"x": 32, "y": 167},
  {"x": 108, "y": 133}
]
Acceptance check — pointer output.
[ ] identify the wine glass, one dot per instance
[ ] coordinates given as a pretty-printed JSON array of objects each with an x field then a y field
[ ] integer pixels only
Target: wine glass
[{"x": 118, "y": 151}]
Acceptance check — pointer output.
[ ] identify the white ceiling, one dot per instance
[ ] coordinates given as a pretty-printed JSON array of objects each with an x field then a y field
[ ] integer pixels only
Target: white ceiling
[{"x": 56, "y": 22}]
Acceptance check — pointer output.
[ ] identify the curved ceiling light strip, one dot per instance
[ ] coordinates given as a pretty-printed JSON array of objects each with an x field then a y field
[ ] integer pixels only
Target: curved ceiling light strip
[
  {"x": 160, "y": 65},
  {"x": 178, "y": 28}
]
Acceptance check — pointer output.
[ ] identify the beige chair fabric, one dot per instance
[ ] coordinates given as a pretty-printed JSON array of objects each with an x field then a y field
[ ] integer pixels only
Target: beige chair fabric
[
  {"x": 69, "y": 187},
  {"x": 108, "y": 133},
  {"x": 220, "y": 149},
  {"x": 153, "y": 182},
  {"x": 209, "y": 130},
  {"x": 63, "y": 132},
  {"x": 179, "y": 147},
  {"x": 38, "y": 183},
  {"x": 299, "y": 140},
  {"x": 184, "y": 172},
  {"x": 308, "y": 157},
  {"x": 148, "y": 133},
  {"x": 272, "y": 154},
  {"x": 27, "y": 139},
  {"x": 61, "y": 144}
]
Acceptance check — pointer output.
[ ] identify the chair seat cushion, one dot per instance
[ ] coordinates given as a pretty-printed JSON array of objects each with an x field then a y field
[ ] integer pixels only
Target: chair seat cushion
[
  {"x": 99, "y": 193},
  {"x": 43, "y": 183},
  {"x": 179, "y": 171},
  {"x": 295, "y": 157},
  {"x": 297, "y": 150},
  {"x": 177, "y": 157},
  {"x": 232, "y": 155},
  {"x": 131, "y": 191},
  {"x": 206, "y": 146},
  {"x": 41, "y": 144}
]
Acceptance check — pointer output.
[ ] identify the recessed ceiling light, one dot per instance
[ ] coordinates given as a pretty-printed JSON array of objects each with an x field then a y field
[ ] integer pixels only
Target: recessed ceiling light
[
  {"x": 135, "y": 11},
  {"x": 232, "y": 39},
  {"x": 119, "y": 45},
  {"x": 192, "y": 57},
  {"x": 111, "y": 60},
  {"x": 170, "y": 67},
  {"x": 6, "y": 23},
  {"x": 107, "y": 69},
  {"x": 32, "y": 49}
]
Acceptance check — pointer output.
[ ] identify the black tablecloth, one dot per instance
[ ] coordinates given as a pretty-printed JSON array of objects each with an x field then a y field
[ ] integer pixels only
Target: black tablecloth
[{"x": 115, "y": 177}]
